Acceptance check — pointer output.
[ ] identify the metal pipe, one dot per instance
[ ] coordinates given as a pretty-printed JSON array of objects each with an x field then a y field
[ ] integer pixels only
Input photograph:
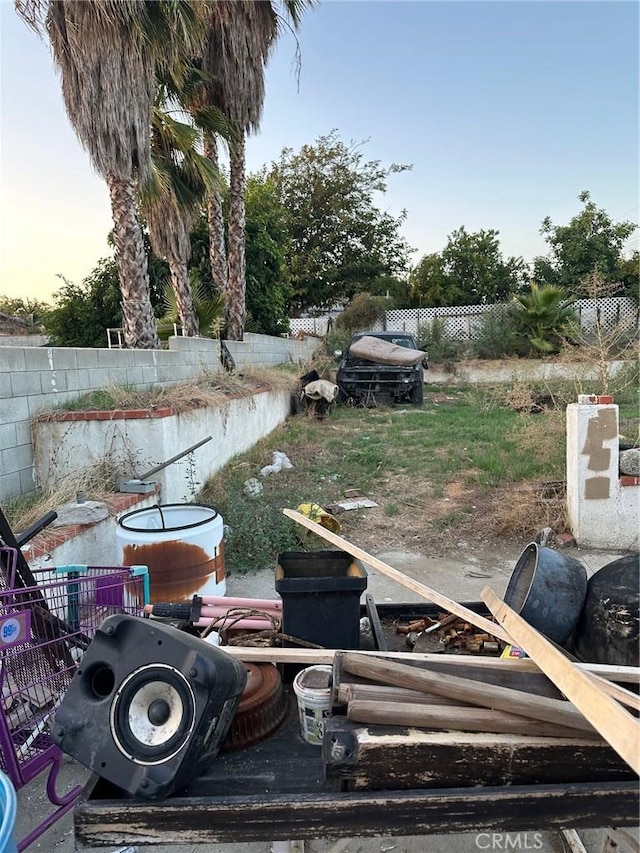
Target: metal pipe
[{"x": 174, "y": 458}]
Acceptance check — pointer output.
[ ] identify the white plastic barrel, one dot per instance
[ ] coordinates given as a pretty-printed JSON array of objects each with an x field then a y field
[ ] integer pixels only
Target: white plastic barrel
[{"x": 182, "y": 546}]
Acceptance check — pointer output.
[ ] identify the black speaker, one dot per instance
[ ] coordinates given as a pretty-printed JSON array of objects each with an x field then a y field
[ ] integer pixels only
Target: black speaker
[{"x": 149, "y": 706}]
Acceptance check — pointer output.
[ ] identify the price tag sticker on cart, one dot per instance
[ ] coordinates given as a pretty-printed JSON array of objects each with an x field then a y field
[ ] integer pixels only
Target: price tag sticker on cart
[{"x": 15, "y": 629}]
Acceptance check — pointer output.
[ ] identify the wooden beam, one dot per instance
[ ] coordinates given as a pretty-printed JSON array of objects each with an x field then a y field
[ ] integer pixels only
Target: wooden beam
[
  {"x": 421, "y": 589},
  {"x": 632, "y": 700},
  {"x": 614, "y": 723},
  {"x": 373, "y": 757},
  {"x": 456, "y": 718},
  {"x": 310, "y": 657},
  {"x": 350, "y": 691},
  {"x": 555, "y": 711}
]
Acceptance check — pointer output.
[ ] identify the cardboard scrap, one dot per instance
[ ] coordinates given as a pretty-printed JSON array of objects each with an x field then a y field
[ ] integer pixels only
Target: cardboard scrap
[{"x": 357, "y": 503}]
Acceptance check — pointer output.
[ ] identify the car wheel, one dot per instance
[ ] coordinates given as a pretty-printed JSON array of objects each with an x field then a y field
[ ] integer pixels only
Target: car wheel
[{"x": 417, "y": 395}]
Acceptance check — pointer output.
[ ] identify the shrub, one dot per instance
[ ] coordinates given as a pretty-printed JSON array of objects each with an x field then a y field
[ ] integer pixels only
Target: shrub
[
  {"x": 362, "y": 313},
  {"x": 440, "y": 348},
  {"x": 496, "y": 337}
]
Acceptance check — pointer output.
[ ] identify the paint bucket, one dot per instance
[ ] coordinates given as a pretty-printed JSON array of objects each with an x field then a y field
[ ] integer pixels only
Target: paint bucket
[
  {"x": 312, "y": 687},
  {"x": 182, "y": 546},
  {"x": 7, "y": 814},
  {"x": 548, "y": 590}
]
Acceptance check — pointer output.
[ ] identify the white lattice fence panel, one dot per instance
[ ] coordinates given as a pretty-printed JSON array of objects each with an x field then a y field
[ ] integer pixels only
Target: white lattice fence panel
[
  {"x": 459, "y": 323},
  {"x": 312, "y": 325},
  {"x": 611, "y": 312}
]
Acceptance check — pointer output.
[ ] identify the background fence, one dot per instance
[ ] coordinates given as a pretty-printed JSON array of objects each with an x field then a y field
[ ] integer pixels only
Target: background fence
[{"x": 464, "y": 322}]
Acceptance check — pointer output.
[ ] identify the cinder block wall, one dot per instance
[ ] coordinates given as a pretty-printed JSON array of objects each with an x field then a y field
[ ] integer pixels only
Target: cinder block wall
[{"x": 34, "y": 379}]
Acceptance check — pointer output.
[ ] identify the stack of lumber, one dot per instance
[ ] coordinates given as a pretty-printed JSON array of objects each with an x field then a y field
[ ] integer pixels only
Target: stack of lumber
[{"x": 466, "y": 728}]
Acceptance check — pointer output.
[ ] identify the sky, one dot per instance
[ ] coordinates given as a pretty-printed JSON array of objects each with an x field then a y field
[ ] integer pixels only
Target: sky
[{"x": 505, "y": 110}]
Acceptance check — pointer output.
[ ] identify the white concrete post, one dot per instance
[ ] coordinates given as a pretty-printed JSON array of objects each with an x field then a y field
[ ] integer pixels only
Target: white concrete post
[{"x": 602, "y": 513}]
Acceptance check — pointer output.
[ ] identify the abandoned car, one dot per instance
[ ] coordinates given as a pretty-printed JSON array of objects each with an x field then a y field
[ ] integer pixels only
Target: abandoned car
[{"x": 381, "y": 368}]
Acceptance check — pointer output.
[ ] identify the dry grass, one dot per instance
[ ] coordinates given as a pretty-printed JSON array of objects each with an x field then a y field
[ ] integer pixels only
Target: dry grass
[
  {"x": 96, "y": 484},
  {"x": 524, "y": 509},
  {"x": 208, "y": 389}
]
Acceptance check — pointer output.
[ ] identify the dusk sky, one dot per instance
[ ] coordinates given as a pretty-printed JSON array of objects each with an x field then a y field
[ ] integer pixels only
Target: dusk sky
[{"x": 507, "y": 110}]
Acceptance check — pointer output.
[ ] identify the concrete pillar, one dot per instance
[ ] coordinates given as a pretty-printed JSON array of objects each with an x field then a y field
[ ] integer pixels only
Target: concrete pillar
[{"x": 602, "y": 513}]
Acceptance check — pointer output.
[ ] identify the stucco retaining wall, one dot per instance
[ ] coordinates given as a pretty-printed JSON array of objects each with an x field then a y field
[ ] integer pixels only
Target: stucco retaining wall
[
  {"x": 129, "y": 443},
  {"x": 34, "y": 379}
]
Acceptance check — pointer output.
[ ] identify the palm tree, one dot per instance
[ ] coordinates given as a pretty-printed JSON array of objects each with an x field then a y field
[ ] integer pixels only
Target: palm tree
[
  {"x": 172, "y": 200},
  {"x": 108, "y": 52},
  {"x": 241, "y": 36},
  {"x": 543, "y": 318}
]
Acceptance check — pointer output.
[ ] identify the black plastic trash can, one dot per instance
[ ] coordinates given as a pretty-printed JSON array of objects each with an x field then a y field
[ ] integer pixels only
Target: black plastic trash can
[{"x": 321, "y": 593}]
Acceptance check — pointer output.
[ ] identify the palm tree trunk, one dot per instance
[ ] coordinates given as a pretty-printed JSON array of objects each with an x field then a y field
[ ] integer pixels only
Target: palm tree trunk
[
  {"x": 215, "y": 219},
  {"x": 137, "y": 313},
  {"x": 236, "y": 311},
  {"x": 184, "y": 297}
]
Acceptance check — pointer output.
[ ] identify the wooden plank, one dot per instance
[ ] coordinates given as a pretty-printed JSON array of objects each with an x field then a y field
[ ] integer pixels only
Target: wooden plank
[
  {"x": 310, "y": 657},
  {"x": 379, "y": 693},
  {"x": 453, "y": 718},
  {"x": 376, "y": 757},
  {"x": 613, "y": 722},
  {"x": 631, "y": 700},
  {"x": 421, "y": 589},
  {"x": 208, "y": 820},
  {"x": 555, "y": 711}
]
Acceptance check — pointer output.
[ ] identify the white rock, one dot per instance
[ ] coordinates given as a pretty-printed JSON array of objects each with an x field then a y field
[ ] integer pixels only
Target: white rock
[
  {"x": 88, "y": 512},
  {"x": 629, "y": 462}
]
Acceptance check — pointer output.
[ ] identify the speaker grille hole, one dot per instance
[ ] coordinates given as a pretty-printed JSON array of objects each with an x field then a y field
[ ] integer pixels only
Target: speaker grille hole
[{"x": 101, "y": 681}]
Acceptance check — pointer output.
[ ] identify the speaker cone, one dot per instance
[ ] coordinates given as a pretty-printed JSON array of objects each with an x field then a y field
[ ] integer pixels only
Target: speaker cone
[{"x": 153, "y": 714}]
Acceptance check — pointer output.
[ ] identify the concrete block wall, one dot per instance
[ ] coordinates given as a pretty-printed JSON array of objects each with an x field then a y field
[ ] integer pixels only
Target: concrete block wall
[
  {"x": 35, "y": 379},
  {"x": 268, "y": 351},
  {"x": 603, "y": 507}
]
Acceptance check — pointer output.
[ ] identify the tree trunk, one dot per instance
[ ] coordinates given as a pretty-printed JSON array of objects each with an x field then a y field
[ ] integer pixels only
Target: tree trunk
[
  {"x": 138, "y": 319},
  {"x": 215, "y": 219},
  {"x": 236, "y": 311},
  {"x": 184, "y": 298}
]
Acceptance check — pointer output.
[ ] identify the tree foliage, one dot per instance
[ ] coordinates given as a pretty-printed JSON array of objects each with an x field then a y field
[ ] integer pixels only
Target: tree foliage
[
  {"x": 591, "y": 241},
  {"x": 82, "y": 313},
  {"x": 362, "y": 313},
  {"x": 268, "y": 288},
  {"x": 470, "y": 270},
  {"x": 339, "y": 241}
]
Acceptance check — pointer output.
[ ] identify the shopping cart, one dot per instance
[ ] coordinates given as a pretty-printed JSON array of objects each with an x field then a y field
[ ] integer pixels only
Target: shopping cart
[{"x": 44, "y": 631}]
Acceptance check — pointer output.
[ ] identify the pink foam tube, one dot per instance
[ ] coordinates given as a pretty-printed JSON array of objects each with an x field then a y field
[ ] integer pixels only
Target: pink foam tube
[
  {"x": 244, "y": 624},
  {"x": 227, "y": 601},
  {"x": 211, "y": 610}
]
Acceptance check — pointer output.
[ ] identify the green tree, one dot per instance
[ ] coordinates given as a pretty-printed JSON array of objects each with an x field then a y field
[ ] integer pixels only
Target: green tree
[
  {"x": 240, "y": 38},
  {"x": 172, "y": 198},
  {"x": 28, "y": 309},
  {"x": 470, "y": 270},
  {"x": 108, "y": 53},
  {"x": 543, "y": 319},
  {"x": 268, "y": 286},
  {"x": 82, "y": 313},
  {"x": 430, "y": 286},
  {"x": 628, "y": 276},
  {"x": 591, "y": 241},
  {"x": 339, "y": 241}
]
